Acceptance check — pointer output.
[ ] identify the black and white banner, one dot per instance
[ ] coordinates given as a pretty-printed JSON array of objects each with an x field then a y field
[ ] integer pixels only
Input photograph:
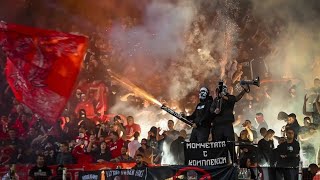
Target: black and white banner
[
  {"x": 89, "y": 175},
  {"x": 206, "y": 154},
  {"x": 128, "y": 174},
  {"x": 164, "y": 172}
]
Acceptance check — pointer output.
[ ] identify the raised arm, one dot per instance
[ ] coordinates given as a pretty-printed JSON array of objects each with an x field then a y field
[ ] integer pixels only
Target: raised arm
[
  {"x": 318, "y": 103},
  {"x": 305, "y": 107},
  {"x": 241, "y": 94}
]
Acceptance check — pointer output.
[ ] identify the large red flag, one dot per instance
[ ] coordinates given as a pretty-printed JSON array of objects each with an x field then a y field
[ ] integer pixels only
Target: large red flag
[{"x": 42, "y": 66}]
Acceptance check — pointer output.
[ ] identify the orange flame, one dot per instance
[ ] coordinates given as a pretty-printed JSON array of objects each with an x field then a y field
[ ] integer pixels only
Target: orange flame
[{"x": 135, "y": 89}]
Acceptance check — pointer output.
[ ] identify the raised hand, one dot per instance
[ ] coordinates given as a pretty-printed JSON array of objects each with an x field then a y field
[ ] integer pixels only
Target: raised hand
[{"x": 305, "y": 98}]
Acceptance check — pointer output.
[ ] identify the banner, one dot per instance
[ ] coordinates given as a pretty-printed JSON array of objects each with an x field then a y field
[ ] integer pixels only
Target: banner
[
  {"x": 127, "y": 174},
  {"x": 206, "y": 154},
  {"x": 89, "y": 175},
  {"x": 42, "y": 66}
]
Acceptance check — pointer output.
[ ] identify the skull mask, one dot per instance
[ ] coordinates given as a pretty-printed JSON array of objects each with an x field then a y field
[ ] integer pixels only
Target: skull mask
[
  {"x": 224, "y": 90},
  {"x": 204, "y": 92}
]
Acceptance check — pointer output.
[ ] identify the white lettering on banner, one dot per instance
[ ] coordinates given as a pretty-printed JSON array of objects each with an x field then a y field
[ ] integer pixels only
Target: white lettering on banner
[
  {"x": 90, "y": 177},
  {"x": 208, "y": 162},
  {"x": 205, "y": 153},
  {"x": 207, "y": 145},
  {"x": 125, "y": 172},
  {"x": 139, "y": 173}
]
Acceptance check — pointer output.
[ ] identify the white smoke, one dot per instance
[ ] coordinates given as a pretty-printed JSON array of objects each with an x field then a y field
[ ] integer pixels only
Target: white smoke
[
  {"x": 180, "y": 39},
  {"x": 293, "y": 27},
  {"x": 160, "y": 37}
]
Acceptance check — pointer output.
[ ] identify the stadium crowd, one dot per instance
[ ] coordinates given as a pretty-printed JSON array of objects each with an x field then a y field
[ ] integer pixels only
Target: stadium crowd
[{"x": 88, "y": 133}]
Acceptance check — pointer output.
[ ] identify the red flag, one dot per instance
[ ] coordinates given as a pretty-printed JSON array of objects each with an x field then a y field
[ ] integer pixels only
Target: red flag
[{"x": 42, "y": 66}]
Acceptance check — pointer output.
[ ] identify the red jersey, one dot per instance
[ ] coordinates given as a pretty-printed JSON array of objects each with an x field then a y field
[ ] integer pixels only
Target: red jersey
[
  {"x": 115, "y": 147},
  {"x": 81, "y": 156},
  {"x": 131, "y": 129},
  {"x": 87, "y": 106}
]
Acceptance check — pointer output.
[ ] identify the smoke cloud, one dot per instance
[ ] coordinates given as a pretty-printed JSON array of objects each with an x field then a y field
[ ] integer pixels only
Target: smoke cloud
[{"x": 294, "y": 52}]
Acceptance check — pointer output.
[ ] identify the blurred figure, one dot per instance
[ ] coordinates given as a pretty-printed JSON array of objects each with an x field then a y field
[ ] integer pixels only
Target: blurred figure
[
  {"x": 11, "y": 175},
  {"x": 313, "y": 169},
  {"x": 139, "y": 162},
  {"x": 102, "y": 154},
  {"x": 146, "y": 151},
  {"x": 261, "y": 122},
  {"x": 59, "y": 174},
  {"x": 177, "y": 148},
  {"x": 134, "y": 145},
  {"x": 263, "y": 132},
  {"x": 87, "y": 105},
  {"x": 316, "y": 86},
  {"x": 307, "y": 137},
  {"x": 265, "y": 147},
  {"x": 288, "y": 157},
  {"x": 124, "y": 157},
  {"x": 315, "y": 114},
  {"x": 131, "y": 128},
  {"x": 40, "y": 171},
  {"x": 171, "y": 134},
  {"x": 253, "y": 135},
  {"x": 292, "y": 123},
  {"x": 115, "y": 145},
  {"x": 64, "y": 156}
]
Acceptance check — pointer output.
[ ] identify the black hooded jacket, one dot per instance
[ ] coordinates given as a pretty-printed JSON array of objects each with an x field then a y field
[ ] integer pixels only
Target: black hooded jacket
[{"x": 201, "y": 116}]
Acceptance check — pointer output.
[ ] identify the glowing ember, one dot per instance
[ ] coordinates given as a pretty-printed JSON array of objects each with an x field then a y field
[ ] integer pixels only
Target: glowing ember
[{"x": 138, "y": 91}]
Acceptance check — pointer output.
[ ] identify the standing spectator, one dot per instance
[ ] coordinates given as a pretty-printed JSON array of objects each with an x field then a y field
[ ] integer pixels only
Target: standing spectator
[
  {"x": 171, "y": 134},
  {"x": 315, "y": 114},
  {"x": 265, "y": 147},
  {"x": 293, "y": 124},
  {"x": 115, "y": 144},
  {"x": 80, "y": 153},
  {"x": 177, "y": 148},
  {"x": 134, "y": 145},
  {"x": 246, "y": 150},
  {"x": 64, "y": 157},
  {"x": 316, "y": 86},
  {"x": 253, "y": 135},
  {"x": 261, "y": 122},
  {"x": 263, "y": 133},
  {"x": 200, "y": 117},
  {"x": 131, "y": 128},
  {"x": 307, "y": 137},
  {"x": 289, "y": 157},
  {"x": 40, "y": 171}
]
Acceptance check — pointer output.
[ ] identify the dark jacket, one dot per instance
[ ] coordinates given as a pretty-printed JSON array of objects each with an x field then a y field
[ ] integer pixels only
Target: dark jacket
[
  {"x": 65, "y": 158},
  {"x": 296, "y": 128},
  {"x": 226, "y": 113},
  {"x": 291, "y": 150},
  {"x": 201, "y": 116},
  {"x": 177, "y": 150}
]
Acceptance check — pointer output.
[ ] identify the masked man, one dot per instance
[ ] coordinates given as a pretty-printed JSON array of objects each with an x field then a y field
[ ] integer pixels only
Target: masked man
[
  {"x": 222, "y": 107},
  {"x": 201, "y": 117}
]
